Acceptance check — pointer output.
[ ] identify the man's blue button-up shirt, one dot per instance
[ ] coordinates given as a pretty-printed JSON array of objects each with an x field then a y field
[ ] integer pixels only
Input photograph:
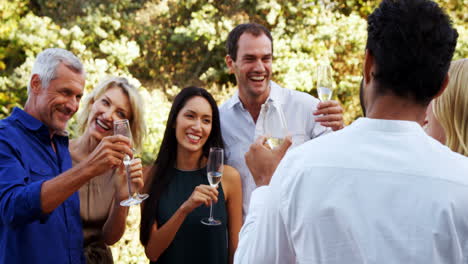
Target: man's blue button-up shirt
[{"x": 27, "y": 159}]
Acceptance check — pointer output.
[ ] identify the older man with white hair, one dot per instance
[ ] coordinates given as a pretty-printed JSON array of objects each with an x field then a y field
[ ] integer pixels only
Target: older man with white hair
[{"x": 39, "y": 204}]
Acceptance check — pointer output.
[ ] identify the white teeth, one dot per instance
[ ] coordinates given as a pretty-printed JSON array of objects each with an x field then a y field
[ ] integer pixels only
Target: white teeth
[
  {"x": 193, "y": 137},
  {"x": 257, "y": 78},
  {"x": 102, "y": 124}
]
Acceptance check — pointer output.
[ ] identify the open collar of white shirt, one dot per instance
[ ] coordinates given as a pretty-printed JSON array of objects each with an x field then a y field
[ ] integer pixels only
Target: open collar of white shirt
[
  {"x": 274, "y": 96},
  {"x": 275, "y": 99}
]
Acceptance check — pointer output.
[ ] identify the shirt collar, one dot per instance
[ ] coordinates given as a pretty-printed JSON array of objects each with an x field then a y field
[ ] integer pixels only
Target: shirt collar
[
  {"x": 393, "y": 126},
  {"x": 31, "y": 123},
  {"x": 27, "y": 120},
  {"x": 275, "y": 96},
  {"x": 234, "y": 100},
  {"x": 275, "y": 93}
]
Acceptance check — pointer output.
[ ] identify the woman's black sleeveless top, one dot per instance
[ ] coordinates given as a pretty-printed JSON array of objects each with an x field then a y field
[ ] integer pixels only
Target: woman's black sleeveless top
[{"x": 194, "y": 242}]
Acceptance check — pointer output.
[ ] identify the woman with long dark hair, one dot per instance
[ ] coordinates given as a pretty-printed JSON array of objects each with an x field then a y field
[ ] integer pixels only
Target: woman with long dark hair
[{"x": 171, "y": 230}]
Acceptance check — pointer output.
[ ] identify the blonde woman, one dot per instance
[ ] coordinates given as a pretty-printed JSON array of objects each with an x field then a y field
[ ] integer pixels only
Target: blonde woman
[
  {"x": 102, "y": 216},
  {"x": 447, "y": 115}
]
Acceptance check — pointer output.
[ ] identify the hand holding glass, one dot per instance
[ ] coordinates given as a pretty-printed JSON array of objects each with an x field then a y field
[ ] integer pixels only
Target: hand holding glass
[
  {"x": 122, "y": 127},
  {"x": 214, "y": 169},
  {"x": 324, "y": 82},
  {"x": 274, "y": 124}
]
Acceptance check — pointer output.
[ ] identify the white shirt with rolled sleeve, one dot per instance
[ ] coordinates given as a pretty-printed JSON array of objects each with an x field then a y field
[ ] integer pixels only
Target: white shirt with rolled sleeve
[
  {"x": 238, "y": 129},
  {"x": 378, "y": 191}
]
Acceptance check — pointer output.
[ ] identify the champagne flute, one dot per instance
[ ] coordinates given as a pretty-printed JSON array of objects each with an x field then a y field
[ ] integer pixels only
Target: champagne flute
[
  {"x": 324, "y": 82},
  {"x": 274, "y": 124},
  {"x": 122, "y": 127},
  {"x": 214, "y": 169}
]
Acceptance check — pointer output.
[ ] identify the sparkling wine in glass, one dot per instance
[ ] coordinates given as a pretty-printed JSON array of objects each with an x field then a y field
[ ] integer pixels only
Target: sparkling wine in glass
[
  {"x": 324, "y": 82},
  {"x": 122, "y": 127},
  {"x": 274, "y": 124},
  {"x": 214, "y": 169}
]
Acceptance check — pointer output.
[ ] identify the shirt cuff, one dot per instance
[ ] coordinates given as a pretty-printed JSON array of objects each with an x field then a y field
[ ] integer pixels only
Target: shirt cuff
[{"x": 34, "y": 200}]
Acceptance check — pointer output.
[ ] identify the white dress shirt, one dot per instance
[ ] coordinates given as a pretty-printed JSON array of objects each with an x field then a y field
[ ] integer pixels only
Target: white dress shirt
[
  {"x": 378, "y": 191},
  {"x": 238, "y": 128}
]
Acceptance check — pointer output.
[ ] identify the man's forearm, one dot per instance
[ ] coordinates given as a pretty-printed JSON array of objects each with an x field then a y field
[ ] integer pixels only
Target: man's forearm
[{"x": 55, "y": 191}]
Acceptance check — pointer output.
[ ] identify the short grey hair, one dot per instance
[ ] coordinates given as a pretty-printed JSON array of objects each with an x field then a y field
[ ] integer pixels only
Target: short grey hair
[{"x": 47, "y": 62}]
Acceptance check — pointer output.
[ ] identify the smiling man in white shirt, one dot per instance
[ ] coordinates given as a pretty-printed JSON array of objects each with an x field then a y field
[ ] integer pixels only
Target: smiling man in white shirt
[
  {"x": 380, "y": 190},
  {"x": 250, "y": 58}
]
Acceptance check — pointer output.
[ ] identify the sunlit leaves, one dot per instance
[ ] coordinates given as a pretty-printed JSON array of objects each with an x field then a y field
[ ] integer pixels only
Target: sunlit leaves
[{"x": 165, "y": 45}]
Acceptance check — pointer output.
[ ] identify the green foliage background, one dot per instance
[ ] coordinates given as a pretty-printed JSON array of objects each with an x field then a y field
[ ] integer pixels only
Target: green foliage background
[{"x": 165, "y": 45}]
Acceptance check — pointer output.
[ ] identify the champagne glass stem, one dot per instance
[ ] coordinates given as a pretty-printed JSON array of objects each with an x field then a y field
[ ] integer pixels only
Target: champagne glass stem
[
  {"x": 211, "y": 211},
  {"x": 129, "y": 180},
  {"x": 214, "y": 171}
]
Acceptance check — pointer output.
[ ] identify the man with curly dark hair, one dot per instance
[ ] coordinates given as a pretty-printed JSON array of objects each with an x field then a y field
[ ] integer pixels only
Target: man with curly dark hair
[{"x": 380, "y": 190}]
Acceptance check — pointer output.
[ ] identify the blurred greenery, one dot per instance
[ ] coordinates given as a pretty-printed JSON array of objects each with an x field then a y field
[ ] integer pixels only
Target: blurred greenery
[{"x": 165, "y": 45}]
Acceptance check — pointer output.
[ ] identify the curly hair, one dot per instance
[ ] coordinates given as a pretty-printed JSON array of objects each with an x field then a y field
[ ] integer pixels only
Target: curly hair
[{"x": 412, "y": 42}]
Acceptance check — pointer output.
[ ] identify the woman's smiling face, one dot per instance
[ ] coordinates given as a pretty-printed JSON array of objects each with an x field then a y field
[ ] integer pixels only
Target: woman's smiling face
[
  {"x": 193, "y": 125},
  {"x": 110, "y": 106}
]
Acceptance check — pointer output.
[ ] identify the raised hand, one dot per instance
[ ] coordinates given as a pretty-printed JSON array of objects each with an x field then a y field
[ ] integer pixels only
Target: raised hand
[
  {"x": 332, "y": 114},
  {"x": 203, "y": 194},
  {"x": 262, "y": 160},
  {"x": 108, "y": 154},
  {"x": 120, "y": 179}
]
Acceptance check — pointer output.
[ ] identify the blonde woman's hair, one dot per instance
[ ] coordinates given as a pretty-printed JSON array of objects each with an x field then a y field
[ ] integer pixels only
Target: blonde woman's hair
[
  {"x": 451, "y": 108},
  {"x": 137, "y": 121}
]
